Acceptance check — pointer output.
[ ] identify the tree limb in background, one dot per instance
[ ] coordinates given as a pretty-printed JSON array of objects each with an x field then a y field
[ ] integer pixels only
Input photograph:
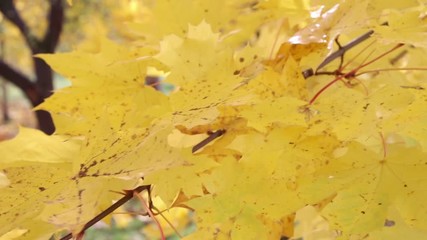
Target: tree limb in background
[
  {"x": 36, "y": 91},
  {"x": 8, "y": 9},
  {"x": 19, "y": 80}
]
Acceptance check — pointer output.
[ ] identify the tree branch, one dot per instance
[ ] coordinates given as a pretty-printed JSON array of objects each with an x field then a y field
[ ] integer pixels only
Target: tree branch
[
  {"x": 20, "y": 80},
  {"x": 7, "y": 7},
  {"x": 128, "y": 196},
  {"x": 206, "y": 141},
  {"x": 44, "y": 76},
  {"x": 43, "y": 84},
  {"x": 55, "y": 21}
]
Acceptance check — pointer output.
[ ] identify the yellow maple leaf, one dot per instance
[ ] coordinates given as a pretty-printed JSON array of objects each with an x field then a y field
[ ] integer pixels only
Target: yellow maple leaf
[
  {"x": 283, "y": 110},
  {"x": 236, "y": 189},
  {"x": 237, "y": 21},
  {"x": 410, "y": 120},
  {"x": 339, "y": 19},
  {"x": 32, "y": 174},
  {"x": 395, "y": 227},
  {"x": 404, "y": 27},
  {"x": 14, "y": 234},
  {"x": 117, "y": 67},
  {"x": 310, "y": 225},
  {"x": 185, "y": 178},
  {"x": 367, "y": 183},
  {"x": 204, "y": 81},
  {"x": 178, "y": 217},
  {"x": 114, "y": 125}
]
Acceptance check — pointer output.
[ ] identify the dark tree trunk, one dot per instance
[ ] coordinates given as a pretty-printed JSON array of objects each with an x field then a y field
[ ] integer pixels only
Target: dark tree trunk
[{"x": 41, "y": 87}]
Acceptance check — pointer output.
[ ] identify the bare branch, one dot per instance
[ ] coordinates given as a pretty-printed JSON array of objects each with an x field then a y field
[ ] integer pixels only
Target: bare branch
[
  {"x": 55, "y": 21},
  {"x": 207, "y": 140},
  {"x": 20, "y": 80},
  {"x": 7, "y": 7}
]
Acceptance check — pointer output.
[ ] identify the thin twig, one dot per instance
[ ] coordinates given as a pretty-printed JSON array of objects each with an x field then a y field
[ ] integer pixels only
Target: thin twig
[
  {"x": 392, "y": 69},
  {"x": 128, "y": 195},
  {"x": 167, "y": 220},
  {"x": 337, "y": 54},
  {"x": 357, "y": 55},
  {"x": 207, "y": 140},
  {"x": 341, "y": 51},
  {"x": 353, "y": 72},
  {"x": 147, "y": 208}
]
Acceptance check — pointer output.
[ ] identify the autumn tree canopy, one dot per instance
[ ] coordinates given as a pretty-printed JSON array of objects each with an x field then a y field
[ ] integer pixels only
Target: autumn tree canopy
[{"x": 254, "y": 142}]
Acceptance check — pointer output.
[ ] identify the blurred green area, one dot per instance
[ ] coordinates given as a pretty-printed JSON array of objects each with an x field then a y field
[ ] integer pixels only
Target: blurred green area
[
  {"x": 134, "y": 231},
  {"x": 122, "y": 225}
]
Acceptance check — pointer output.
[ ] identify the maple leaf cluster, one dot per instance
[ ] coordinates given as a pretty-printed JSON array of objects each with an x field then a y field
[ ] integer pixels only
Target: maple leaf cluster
[{"x": 348, "y": 148}]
